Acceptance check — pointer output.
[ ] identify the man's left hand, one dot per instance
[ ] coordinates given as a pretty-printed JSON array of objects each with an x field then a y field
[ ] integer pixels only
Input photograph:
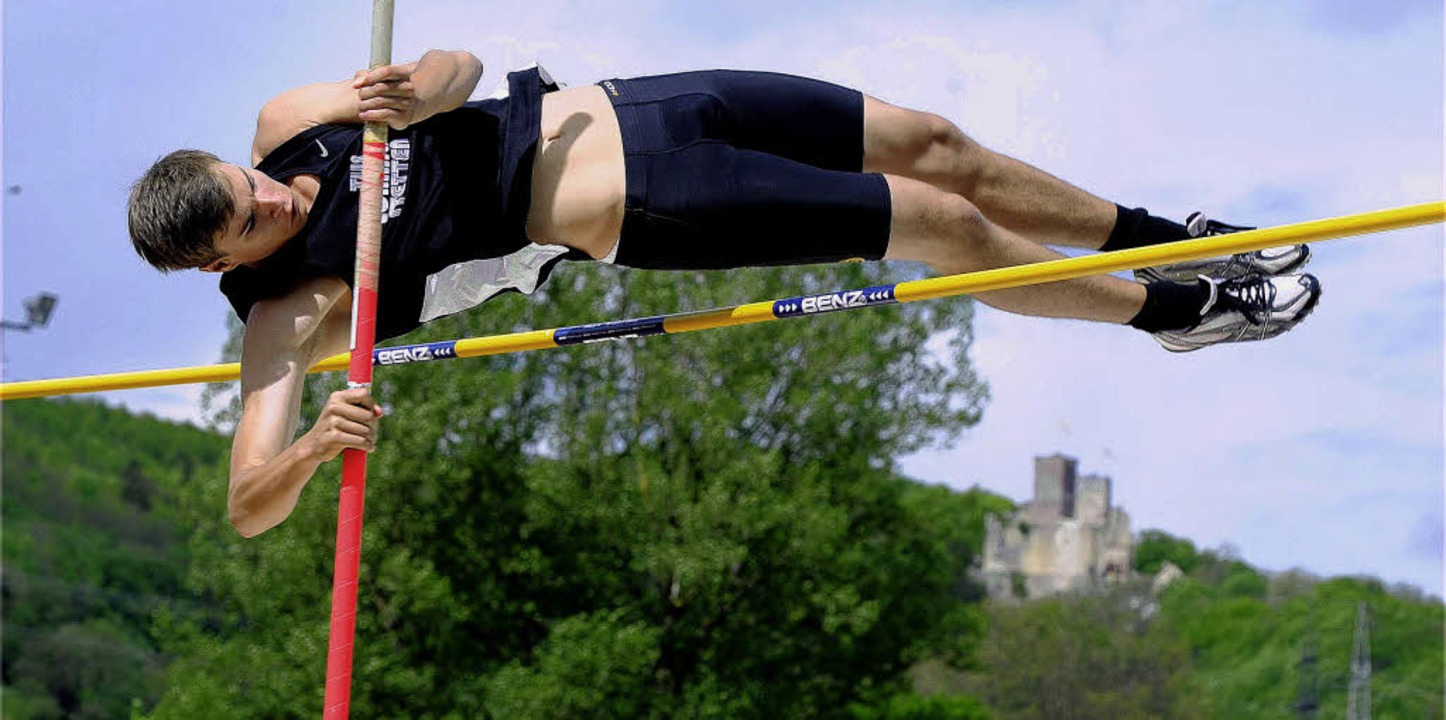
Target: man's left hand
[{"x": 386, "y": 94}]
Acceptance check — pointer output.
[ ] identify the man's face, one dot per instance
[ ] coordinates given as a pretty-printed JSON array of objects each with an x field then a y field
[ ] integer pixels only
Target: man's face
[{"x": 267, "y": 214}]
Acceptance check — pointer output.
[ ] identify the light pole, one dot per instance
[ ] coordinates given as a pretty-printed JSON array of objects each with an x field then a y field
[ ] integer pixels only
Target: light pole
[{"x": 38, "y": 310}]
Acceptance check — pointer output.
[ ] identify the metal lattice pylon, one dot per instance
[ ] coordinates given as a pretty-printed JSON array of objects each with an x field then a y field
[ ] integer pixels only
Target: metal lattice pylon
[
  {"x": 1307, "y": 701},
  {"x": 1358, "y": 707}
]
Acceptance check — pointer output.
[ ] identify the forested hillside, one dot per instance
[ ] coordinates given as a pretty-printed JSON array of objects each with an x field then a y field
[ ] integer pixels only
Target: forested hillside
[
  {"x": 92, "y": 549},
  {"x": 1248, "y": 633}
]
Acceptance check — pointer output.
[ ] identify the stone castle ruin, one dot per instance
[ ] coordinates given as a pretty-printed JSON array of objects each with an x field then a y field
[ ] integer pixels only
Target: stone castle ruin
[{"x": 1067, "y": 538}]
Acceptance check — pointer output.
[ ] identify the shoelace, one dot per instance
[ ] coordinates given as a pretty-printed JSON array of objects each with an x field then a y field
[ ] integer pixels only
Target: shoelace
[{"x": 1251, "y": 295}]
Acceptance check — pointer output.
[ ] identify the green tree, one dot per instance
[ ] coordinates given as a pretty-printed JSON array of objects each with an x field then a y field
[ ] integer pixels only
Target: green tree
[
  {"x": 90, "y": 552},
  {"x": 1084, "y": 657},
  {"x": 137, "y": 488},
  {"x": 920, "y": 707},
  {"x": 1154, "y": 548},
  {"x": 704, "y": 525}
]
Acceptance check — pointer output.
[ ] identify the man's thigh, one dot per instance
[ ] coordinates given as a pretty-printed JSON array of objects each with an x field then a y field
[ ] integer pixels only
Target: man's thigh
[
  {"x": 802, "y": 119},
  {"x": 710, "y": 205}
]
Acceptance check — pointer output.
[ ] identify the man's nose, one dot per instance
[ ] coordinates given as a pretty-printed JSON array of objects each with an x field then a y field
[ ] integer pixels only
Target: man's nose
[{"x": 275, "y": 202}]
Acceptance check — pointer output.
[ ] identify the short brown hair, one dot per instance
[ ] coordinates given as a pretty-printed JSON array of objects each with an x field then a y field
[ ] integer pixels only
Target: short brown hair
[{"x": 176, "y": 210}]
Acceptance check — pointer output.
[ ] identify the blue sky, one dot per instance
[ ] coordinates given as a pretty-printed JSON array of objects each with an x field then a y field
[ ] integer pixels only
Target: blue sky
[{"x": 1322, "y": 450}]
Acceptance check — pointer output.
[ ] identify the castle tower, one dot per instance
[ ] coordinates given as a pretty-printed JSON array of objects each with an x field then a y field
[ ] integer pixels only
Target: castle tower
[
  {"x": 1093, "y": 502},
  {"x": 1054, "y": 483}
]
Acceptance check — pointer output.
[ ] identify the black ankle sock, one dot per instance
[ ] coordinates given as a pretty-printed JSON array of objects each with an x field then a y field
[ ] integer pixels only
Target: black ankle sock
[
  {"x": 1171, "y": 306},
  {"x": 1138, "y": 228}
]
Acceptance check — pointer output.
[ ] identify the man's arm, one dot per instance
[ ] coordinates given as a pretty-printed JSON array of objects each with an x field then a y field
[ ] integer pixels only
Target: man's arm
[
  {"x": 285, "y": 337},
  {"x": 398, "y": 95}
]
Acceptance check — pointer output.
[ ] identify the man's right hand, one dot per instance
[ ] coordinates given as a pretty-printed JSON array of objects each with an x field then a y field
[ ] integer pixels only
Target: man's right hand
[
  {"x": 269, "y": 464},
  {"x": 348, "y": 420}
]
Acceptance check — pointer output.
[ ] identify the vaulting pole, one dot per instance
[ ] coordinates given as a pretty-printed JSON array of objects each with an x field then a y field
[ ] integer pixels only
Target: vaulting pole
[
  {"x": 363, "y": 339},
  {"x": 908, "y": 291}
]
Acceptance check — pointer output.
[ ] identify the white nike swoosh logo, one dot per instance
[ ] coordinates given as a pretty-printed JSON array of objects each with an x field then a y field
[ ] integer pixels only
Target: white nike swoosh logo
[{"x": 324, "y": 153}]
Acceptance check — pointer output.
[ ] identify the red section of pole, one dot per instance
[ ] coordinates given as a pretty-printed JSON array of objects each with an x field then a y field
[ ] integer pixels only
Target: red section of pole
[{"x": 337, "y": 702}]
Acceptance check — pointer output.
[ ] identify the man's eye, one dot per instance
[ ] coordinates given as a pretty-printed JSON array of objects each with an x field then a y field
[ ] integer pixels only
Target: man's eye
[{"x": 250, "y": 223}]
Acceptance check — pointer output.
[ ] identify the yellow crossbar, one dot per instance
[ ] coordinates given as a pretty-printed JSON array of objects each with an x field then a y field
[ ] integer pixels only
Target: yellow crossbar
[{"x": 909, "y": 291}]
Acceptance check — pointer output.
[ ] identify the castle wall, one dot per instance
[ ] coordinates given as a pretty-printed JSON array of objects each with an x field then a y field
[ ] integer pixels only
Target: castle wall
[{"x": 1116, "y": 558}]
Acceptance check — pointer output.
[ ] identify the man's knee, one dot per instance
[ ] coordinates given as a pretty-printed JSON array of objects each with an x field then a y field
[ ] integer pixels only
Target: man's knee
[
  {"x": 933, "y": 225},
  {"x": 960, "y": 221},
  {"x": 918, "y": 144}
]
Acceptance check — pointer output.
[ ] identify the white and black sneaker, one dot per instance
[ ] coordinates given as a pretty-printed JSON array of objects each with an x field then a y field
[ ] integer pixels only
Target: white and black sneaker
[
  {"x": 1272, "y": 261},
  {"x": 1254, "y": 307}
]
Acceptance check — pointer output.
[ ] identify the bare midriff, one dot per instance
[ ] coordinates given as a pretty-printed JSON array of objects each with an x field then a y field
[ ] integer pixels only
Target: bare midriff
[{"x": 578, "y": 183}]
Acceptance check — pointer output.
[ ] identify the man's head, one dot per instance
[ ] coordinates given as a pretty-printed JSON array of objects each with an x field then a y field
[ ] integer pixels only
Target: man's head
[
  {"x": 176, "y": 210},
  {"x": 190, "y": 210}
]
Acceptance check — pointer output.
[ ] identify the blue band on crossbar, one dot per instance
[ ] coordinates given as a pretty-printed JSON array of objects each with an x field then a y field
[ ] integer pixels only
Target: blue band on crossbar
[{"x": 616, "y": 330}]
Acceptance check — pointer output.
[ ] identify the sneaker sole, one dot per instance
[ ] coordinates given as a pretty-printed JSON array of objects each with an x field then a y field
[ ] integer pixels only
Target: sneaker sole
[{"x": 1304, "y": 313}]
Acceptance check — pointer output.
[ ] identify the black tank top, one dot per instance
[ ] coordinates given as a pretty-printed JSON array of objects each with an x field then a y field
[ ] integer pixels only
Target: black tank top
[{"x": 458, "y": 189}]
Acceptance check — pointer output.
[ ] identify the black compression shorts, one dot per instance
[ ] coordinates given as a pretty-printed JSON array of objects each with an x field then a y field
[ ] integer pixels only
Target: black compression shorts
[{"x": 732, "y": 169}]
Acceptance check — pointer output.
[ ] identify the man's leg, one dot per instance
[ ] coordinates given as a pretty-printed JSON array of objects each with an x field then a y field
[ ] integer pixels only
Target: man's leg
[
  {"x": 1183, "y": 311},
  {"x": 727, "y": 169},
  {"x": 1014, "y": 194},
  {"x": 949, "y": 233},
  {"x": 952, "y": 235}
]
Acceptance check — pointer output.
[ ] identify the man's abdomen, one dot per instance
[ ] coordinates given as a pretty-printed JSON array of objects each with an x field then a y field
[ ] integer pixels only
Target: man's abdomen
[{"x": 578, "y": 185}]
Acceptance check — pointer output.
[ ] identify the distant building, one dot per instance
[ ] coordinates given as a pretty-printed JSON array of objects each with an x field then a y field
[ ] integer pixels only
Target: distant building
[{"x": 1068, "y": 537}]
